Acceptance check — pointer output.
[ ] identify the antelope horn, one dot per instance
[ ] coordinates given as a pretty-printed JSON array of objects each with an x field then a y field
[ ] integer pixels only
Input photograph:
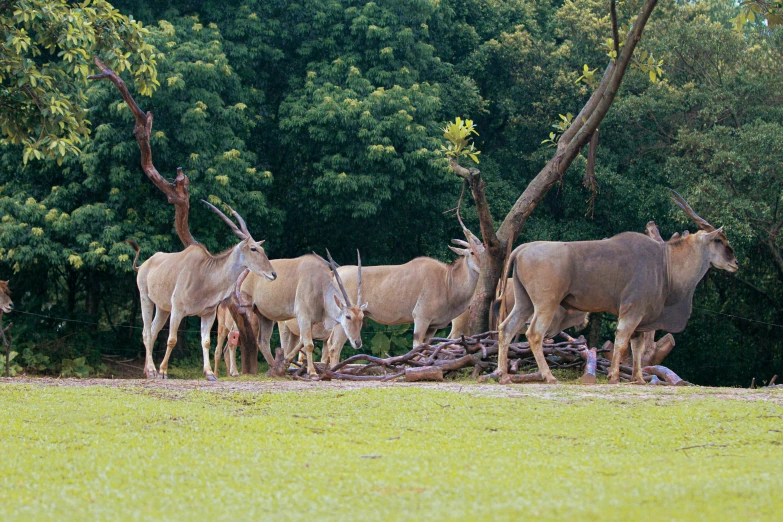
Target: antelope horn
[
  {"x": 359, "y": 280},
  {"x": 680, "y": 202},
  {"x": 471, "y": 237},
  {"x": 337, "y": 277},
  {"x": 460, "y": 242},
  {"x": 240, "y": 234},
  {"x": 242, "y": 224}
]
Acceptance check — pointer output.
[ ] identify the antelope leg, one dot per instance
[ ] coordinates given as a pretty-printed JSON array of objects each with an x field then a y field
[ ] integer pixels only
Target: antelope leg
[
  {"x": 637, "y": 350},
  {"x": 222, "y": 335},
  {"x": 206, "y": 326},
  {"x": 232, "y": 360},
  {"x": 334, "y": 345},
  {"x": 176, "y": 318},
  {"x": 151, "y": 334},
  {"x": 306, "y": 334},
  {"x": 539, "y": 325},
  {"x": 625, "y": 328},
  {"x": 508, "y": 329}
]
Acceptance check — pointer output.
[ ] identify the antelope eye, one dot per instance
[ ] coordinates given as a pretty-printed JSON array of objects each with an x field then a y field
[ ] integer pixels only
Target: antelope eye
[
  {"x": 717, "y": 240},
  {"x": 348, "y": 317},
  {"x": 253, "y": 249}
]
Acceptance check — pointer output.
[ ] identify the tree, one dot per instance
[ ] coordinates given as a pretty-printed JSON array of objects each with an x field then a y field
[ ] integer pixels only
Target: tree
[
  {"x": 45, "y": 60},
  {"x": 569, "y": 146}
]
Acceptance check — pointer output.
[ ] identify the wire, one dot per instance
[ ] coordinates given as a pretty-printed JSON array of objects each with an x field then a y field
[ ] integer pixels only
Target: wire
[
  {"x": 739, "y": 317},
  {"x": 16, "y": 310}
]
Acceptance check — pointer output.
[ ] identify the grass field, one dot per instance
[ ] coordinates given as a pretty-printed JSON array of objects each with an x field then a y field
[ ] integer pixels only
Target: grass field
[{"x": 241, "y": 450}]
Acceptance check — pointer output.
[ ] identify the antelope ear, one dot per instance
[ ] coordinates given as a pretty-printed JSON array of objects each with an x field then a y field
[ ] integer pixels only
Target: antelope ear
[
  {"x": 459, "y": 251},
  {"x": 261, "y": 242},
  {"x": 710, "y": 236},
  {"x": 363, "y": 307},
  {"x": 339, "y": 303}
]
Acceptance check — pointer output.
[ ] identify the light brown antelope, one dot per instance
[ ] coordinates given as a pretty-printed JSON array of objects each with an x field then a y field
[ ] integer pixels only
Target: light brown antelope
[
  {"x": 290, "y": 338},
  {"x": 424, "y": 291},
  {"x": 647, "y": 283},
  {"x": 307, "y": 291},
  {"x": 6, "y": 305},
  {"x": 193, "y": 282}
]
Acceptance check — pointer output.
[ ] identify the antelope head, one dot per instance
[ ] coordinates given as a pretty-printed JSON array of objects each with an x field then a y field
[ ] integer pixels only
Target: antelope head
[
  {"x": 251, "y": 252},
  {"x": 6, "y": 305},
  {"x": 351, "y": 315},
  {"x": 472, "y": 249},
  {"x": 713, "y": 240}
]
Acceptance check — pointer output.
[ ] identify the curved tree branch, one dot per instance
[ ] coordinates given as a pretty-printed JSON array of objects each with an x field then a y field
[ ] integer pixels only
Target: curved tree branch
[{"x": 177, "y": 192}]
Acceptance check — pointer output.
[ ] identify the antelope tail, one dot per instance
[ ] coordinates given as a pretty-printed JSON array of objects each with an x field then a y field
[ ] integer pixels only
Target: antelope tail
[{"x": 135, "y": 247}]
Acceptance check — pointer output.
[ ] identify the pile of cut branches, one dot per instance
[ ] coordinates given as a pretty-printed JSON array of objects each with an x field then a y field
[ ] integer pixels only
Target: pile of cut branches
[{"x": 442, "y": 356}]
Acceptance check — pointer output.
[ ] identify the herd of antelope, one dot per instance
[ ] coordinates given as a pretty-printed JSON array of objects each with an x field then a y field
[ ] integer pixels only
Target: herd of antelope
[{"x": 648, "y": 283}]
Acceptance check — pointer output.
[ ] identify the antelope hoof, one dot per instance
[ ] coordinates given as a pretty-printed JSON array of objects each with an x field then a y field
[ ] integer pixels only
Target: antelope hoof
[
  {"x": 614, "y": 380},
  {"x": 505, "y": 379},
  {"x": 314, "y": 377},
  {"x": 551, "y": 379},
  {"x": 211, "y": 378},
  {"x": 234, "y": 374},
  {"x": 151, "y": 374},
  {"x": 639, "y": 381}
]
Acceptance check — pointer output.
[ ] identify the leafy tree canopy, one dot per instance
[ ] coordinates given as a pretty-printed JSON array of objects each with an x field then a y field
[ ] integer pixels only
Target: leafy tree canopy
[{"x": 44, "y": 63}]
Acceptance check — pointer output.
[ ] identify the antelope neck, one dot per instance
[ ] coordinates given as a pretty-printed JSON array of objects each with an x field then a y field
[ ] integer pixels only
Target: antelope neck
[
  {"x": 687, "y": 262},
  {"x": 461, "y": 281}
]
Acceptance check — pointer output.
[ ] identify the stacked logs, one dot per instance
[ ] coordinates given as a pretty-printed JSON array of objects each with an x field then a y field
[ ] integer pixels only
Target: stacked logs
[{"x": 432, "y": 361}]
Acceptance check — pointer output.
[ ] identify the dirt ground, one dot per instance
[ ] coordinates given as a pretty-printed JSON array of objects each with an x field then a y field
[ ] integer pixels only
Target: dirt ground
[{"x": 542, "y": 391}]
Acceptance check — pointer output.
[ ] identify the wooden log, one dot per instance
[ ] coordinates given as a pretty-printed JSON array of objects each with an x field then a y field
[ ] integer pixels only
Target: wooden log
[
  {"x": 656, "y": 352},
  {"x": 662, "y": 372},
  {"x": 425, "y": 373},
  {"x": 528, "y": 377},
  {"x": 591, "y": 364}
]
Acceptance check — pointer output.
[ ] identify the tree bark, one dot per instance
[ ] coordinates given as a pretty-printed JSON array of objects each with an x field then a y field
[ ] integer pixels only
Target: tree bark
[
  {"x": 177, "y": 192},
  {"x": 425, "y": 373},
  {"x": 569, "y": 146}
]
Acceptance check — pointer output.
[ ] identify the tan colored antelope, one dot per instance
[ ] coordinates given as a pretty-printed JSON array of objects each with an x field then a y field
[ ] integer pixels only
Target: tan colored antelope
[
  {"x": 424, "y": 291},
  {"x": 647, "y": 283},
  {"x": 290, "y": 338},
  {"x": 193, "y": 282},
  {"x": 6, "y": 305},
  {"x": 307, "y": 291}
]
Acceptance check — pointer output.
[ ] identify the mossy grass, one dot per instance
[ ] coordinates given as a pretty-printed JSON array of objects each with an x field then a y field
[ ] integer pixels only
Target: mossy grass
[{"x": 147, "y": 452}]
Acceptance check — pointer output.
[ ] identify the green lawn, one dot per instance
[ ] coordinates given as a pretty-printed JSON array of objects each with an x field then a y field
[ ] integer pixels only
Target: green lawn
[{"x": 391, "y": 453}]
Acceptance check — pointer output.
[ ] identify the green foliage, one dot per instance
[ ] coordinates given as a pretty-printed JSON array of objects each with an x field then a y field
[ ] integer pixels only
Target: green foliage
[
  {"x": 460, "y": 141},
  {"x": 394, "y": 452},
  {"x": 44, "y": 64},
  {"x": 321, "y": 122},
  {"x": 390, "y": 340},
  {"x": 75, "y": 368},
  {"x": 759, "y": 11},
  {"x": 13, "y": 367}
]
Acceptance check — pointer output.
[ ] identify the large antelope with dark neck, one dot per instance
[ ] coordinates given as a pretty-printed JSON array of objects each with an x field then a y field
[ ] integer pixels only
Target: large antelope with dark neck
[
  {"x": 646, "y": 282},
  {"x": 424, "y": 291},
  {"x": 193, "y": 282}
]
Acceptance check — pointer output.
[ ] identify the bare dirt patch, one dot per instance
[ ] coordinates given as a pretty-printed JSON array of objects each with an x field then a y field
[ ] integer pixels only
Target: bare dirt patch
[{"x": 560, "y": 392}]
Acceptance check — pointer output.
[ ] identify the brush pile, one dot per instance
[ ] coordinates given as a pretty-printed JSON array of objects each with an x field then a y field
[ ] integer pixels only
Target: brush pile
[{"x": 432, "y": 361}]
